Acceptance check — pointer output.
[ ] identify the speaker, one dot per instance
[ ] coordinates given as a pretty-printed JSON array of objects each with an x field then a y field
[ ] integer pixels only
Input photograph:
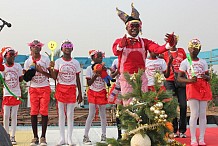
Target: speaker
[{"x": 4, "y": 137}]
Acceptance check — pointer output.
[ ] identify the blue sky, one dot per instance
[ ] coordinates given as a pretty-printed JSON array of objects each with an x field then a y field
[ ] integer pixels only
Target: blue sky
[{"x": 94, "y": 24}]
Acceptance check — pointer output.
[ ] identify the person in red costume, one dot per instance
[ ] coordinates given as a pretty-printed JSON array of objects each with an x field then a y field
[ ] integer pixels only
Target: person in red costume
[{"x": 132, "y": 50}]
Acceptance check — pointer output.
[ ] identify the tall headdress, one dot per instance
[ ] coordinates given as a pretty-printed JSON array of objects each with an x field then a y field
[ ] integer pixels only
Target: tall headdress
[{"x": 126, "y": 18}]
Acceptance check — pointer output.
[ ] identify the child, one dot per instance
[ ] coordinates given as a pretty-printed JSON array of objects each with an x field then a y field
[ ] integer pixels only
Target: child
[
  {"x": 114, "y": 92},
  {"x": 178, "y": 54},
  {"x": 66, "y": 71},
  {"x": 39, "y": 90},
  {"x": 12, "y": 76},
  {"x": 153, "y": 65},
  {"x": 197, "y": 89},
  {"x": 97, "y": 97}
]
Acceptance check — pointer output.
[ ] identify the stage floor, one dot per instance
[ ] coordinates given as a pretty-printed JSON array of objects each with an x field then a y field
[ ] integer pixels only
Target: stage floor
[{"x": 24, "y": 135}]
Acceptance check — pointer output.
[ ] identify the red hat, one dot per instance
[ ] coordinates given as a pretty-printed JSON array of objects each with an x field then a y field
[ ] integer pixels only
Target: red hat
[
  {"x": 93, "y": 52},
  {"x": 5, "y": 50}
]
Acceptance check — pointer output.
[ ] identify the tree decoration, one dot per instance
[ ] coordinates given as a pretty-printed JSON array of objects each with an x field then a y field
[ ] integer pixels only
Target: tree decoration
[{"x": 149, "y": 114}]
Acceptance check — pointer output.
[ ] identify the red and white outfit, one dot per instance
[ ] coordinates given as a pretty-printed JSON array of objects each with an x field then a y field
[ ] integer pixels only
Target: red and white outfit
[
  {"x": 97, "y": 93},
  {"x": 65, "y": 94},
  {"x": 201, "y": 89},
  {"x": 97, "y": 97},
  {"x": 11, "y": 75},
  {"x": 115, "y": 89},
  {"x": 178, "y": 56},
  {"x": 153, "y": 66},
  {"x": 132, "y": 58},
  {"x": 198, "y": 94},
  {"x": 39, "y": 87}
]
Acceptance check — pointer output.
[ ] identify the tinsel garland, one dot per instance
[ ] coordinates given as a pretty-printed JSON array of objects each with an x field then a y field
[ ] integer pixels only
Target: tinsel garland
[{"x": 141, "y": 127}]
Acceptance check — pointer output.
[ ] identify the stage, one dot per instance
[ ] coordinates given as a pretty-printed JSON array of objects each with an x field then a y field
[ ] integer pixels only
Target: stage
[{"x": 24, "y": 135}]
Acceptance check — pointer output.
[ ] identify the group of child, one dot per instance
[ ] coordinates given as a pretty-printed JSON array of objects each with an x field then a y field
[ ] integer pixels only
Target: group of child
[{"x": 132, "y": 53}]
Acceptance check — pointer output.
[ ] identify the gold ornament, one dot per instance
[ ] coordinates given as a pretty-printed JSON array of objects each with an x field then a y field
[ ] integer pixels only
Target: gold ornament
[
  {"x": 161, "y": 116},
  {"x": 157, "y": 112},
  {"x": 159, "y": 105},
  {"x": 162, "y": 112},
  {"x": 165, "y": 116},
  {"x": 152, "y": 108},
  {"x": 133, "y": 77}
]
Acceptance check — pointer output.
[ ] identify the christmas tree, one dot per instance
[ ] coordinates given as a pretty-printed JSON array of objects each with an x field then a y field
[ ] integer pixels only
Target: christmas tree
[{"x": 147, "y": 119}]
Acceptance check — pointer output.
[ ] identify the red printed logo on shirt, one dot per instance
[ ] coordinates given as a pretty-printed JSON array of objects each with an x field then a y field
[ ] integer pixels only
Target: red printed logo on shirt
[
  {"x": 67, "y": 73},
  {"x": 11, "y": 79}
]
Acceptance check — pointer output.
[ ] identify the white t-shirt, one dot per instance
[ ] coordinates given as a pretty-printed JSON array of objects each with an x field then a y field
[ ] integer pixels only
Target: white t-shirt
[
  {"x": 153, "y": 66},
  {"x": 39, "y": 80},
  {"x": 114, "y": 67},
  {"x": 98, "y": 84},
  {"x": 11, "y": 76},
  {"x": 67, "y": 71},
  {"x": 200, "y": 67}
]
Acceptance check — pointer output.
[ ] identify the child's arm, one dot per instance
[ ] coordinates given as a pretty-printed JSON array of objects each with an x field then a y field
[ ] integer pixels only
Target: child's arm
[
  {"x": 54, "y": 73},
  {"x": 206, "y": 76},
  {"x": 21, "y": 78},
  {"x": 90, "y": 81},
  {"x": 167, "y": 72},
  {"x": 39, "y": 69},
  {"x": 78, "y": 83},
  {"x": 184, "y": 80}
]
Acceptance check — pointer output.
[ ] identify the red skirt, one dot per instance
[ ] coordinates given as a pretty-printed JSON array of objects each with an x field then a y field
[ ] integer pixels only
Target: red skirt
[
  {"x": 65, "y": 93},
  {"x": 10, "y": 101},
  {"x": 97, "y": 97},
  {"x": 199, "y": 90}
]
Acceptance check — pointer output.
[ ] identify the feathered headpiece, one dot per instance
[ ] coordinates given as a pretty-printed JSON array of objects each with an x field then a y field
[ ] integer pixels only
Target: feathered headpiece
[
  {"x": 194, "y": 43},
  {"x": 36, "y": 43},
  {"x": 126, "y": 18},
  {"x": 67, "y": 44}
]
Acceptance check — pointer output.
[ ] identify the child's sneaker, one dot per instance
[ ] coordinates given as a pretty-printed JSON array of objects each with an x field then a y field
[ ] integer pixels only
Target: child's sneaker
[
  {"x": 194, "y": 144},
  {"x": 176, "y": 135},
  {"x": 202, "y": 143},
  {"x": 34, "y": 142},
  {"x": 103, "y": 138},
  {"x": 86, "y": 140},
  {"x": 182, "y": 135},
  {"x": 43, "y": 141},
  {"x": 13, "y": 141}
]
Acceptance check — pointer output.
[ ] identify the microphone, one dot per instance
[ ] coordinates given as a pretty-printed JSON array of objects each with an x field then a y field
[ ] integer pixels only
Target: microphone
[{"x": 5, "y": 23}]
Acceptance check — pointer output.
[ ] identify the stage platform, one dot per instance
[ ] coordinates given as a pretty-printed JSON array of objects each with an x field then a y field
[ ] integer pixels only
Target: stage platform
[{"x": 24, "y": 135}]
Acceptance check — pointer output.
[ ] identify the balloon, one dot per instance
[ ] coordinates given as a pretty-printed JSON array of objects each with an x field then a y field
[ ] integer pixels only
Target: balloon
[{"x": 52, "y": 46}]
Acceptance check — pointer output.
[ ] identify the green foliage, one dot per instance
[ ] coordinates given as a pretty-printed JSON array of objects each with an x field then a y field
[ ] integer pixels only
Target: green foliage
[
  {"x": 24, "y": 92},
  {"x": 214, "y": 86}
]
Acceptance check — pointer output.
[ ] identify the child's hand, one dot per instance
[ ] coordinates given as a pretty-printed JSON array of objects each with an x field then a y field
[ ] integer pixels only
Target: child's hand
[
  {"x": 79, "y": 98},
  {"x": 98, "y": 73},
  {"x": 205, "y": 77},
  {"x": 193, "y": 79},
  {"x": 123, "y": 42},
  {"x": 52, "y": 64},
  {"x": 39, "y": 68}
]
